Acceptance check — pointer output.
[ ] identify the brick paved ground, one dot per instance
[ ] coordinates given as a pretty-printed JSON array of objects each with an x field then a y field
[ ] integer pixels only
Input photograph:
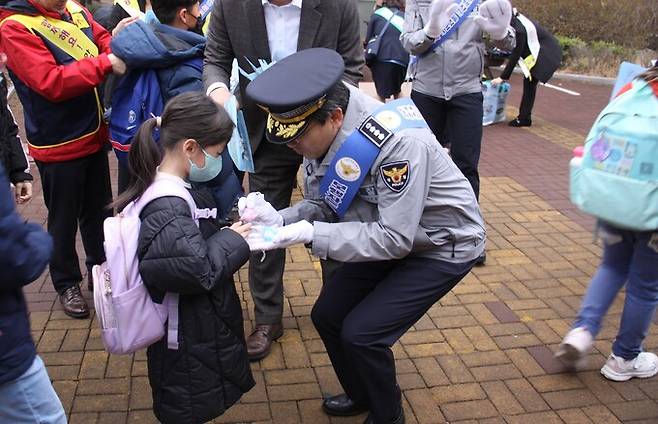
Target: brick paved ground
[{"x": 483, "y": 354}]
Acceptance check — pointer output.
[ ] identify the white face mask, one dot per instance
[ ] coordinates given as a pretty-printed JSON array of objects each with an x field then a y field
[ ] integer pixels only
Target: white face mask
[{"x": 211, "y": 168}]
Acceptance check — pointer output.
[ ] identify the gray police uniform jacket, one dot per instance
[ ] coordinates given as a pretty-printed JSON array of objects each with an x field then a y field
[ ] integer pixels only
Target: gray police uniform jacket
[
  {"x": 435, "y": 215},
  {"x": 455, "y": 67}
]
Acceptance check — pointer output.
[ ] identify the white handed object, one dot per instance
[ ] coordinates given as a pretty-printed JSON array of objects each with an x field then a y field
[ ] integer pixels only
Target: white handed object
[
  {"x": 256, "y": 210},
  {"x": 439, "y": 16},
  {"x": 262, "y": 238},
  {"x": 494, "y": 18}
]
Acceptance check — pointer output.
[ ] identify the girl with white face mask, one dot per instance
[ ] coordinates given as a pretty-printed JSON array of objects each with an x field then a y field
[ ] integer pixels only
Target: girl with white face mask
[{"x": 210, "y": 370}]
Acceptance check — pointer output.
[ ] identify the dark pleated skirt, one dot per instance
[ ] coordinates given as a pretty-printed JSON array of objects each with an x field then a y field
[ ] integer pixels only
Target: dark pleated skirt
[{"x": 388, "y": 77}]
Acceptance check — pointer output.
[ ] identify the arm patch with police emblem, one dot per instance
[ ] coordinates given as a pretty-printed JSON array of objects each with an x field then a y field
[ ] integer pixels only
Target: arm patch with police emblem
[{"x": 396, "y": 174}]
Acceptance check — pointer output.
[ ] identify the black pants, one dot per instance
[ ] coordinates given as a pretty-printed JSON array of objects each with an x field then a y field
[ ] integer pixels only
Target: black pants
[
  {"x": 365, "y": 309},
  {"x": 329, "y": 267},
  {"x": 528, "y": 98},
  {"x": 76, "y": 192},
  {"x": 276, "y": 170},
  {"x": 457, "y": 122},
  {"x": 123, "y": 178}
]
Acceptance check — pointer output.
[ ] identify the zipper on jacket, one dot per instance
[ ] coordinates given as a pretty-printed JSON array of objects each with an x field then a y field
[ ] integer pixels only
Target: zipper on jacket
[{"x": 453, "y": 239}]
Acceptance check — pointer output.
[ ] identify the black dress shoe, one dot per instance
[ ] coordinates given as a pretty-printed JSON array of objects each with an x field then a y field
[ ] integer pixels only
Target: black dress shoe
[
  {"x": 73, "y": 303},
  {"x": 342, "y": 406},
  {"x": 398, "y": 420},
  {"x": 520, "y": 123}
]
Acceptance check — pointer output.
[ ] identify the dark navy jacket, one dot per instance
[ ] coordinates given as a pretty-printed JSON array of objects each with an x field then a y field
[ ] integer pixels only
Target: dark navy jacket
[
  {"x": 177, "y": 55},
  {"x": 25, "y": 250},
  {"x": 390, "y": 49}
]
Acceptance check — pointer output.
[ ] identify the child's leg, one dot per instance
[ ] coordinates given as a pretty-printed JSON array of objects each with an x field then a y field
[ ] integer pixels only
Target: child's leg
[
  {"x": 607, "y": 281},
  {"x": 641, "y": 297},
  {"x": 31, "y": 398}
]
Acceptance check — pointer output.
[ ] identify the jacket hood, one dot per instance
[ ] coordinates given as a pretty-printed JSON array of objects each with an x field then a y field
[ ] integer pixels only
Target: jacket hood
[{"x": 143, "y": 45}]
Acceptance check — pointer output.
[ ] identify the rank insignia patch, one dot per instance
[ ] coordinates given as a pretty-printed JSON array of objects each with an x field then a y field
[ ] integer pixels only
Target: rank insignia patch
[
  {"x": 396, "y": 175},
  {"x": 377, "y": 133}
]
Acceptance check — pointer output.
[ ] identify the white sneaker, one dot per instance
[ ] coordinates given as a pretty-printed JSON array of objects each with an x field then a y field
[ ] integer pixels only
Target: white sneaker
[
  {"x": 644, "y": 365},
  {"x": 575, "y": 347}
]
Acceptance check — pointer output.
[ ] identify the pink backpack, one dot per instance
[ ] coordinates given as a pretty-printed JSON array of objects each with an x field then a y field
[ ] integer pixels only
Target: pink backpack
[{"x": 129, "y": 319}]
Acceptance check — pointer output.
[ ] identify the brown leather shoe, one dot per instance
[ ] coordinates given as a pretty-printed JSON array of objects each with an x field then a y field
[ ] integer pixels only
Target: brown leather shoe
[
  {"x": 260, "y": 340},
  {"x": 73, "y": 303}
]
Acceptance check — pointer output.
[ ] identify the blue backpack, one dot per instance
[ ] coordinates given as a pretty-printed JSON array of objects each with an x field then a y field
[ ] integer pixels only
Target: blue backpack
[
  {"x": 137, "y": 98},
  {"x": 617, "y": 180}
]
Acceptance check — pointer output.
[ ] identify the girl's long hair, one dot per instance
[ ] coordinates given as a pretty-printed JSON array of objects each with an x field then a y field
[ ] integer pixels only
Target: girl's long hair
[{"x": 188, "y": 115}]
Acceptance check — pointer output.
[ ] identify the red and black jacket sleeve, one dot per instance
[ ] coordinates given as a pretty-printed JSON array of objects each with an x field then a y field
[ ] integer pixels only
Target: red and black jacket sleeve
[{"x": 31, "y": 61}]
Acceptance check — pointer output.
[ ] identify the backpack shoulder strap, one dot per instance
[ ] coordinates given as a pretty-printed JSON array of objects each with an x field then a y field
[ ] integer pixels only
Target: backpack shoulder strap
[
  {"x": 171, "y": 299},
  {"x": 164, "y": 188},
  {"x": 154, "y": 99}
]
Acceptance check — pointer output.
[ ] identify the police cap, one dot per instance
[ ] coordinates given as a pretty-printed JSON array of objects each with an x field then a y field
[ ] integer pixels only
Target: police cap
[{"x": 292, "y": 90}]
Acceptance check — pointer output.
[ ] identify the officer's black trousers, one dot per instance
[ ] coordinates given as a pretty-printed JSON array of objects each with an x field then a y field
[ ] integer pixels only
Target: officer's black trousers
[
  {"x": 364, "y": 309},
  {"x": 528, "y": 98},
  {"x": 75, "y": 192},
  {"x": 456, "y": 122}
]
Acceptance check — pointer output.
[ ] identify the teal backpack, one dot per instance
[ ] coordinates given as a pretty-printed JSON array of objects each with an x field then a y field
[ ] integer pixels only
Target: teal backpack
[{"x": 617, "y": 180}]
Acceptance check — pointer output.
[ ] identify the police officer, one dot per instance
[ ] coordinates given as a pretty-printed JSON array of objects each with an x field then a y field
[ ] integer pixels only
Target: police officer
[{"x": 383, "y": 197}]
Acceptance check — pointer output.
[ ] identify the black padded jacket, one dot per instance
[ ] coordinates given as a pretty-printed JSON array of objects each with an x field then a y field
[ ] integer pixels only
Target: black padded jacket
[
  {"x": 12, "y": 155},
  {"x": 210, "y": 370}
]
